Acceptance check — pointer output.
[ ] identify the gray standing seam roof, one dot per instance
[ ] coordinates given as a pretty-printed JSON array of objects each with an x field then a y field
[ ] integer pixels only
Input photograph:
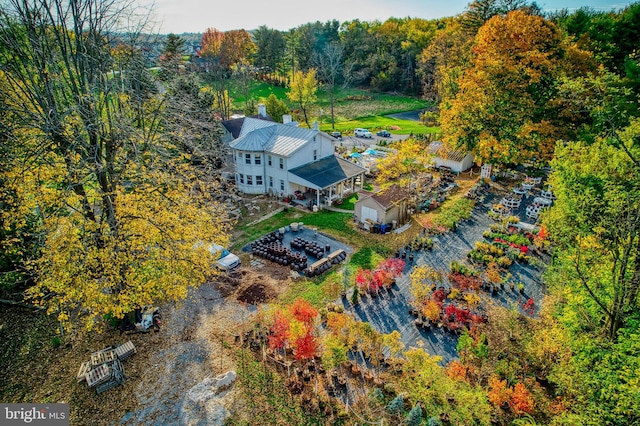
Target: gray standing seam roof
[
  {"x": 277, "y": 139},
  {"x": 327, "y": 171}
]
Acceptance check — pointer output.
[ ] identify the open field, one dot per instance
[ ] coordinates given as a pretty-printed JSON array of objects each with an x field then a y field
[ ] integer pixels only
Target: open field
[{"x": 353, "y": 108}]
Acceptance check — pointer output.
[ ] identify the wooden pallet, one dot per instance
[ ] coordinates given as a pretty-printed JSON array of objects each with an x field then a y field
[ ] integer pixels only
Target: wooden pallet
[
  {"x": 116, "y": 376},
  {"x": 82, "y": 372},
  {"x": 98, "y": 375},
  {"x": 125, "y": 350},
  {"x": 103, "y": 356}
]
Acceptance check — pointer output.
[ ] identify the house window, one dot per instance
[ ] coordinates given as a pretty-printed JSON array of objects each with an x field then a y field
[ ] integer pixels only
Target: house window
[
  {"x": 247, "y": 158},
  {"x": 269, "y": 159},
  {"x": 241, "y": 178},
  {"x": 259, "y": 180},
  {"x": 281, "y": 185},
  {"x": 315, "y": 154},
  {"x": 270, "y": 181},
  {"x": 282, "y": 163},
  {"x": 258, "y": 159},
  {"x": 249, "y": 180}
]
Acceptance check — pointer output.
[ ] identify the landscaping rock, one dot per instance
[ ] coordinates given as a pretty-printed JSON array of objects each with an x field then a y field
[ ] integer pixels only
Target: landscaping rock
[{"x": 204, "y": 403}]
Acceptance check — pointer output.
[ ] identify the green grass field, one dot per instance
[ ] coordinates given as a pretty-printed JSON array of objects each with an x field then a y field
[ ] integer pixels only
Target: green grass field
[{"x": 353, "y": 108}]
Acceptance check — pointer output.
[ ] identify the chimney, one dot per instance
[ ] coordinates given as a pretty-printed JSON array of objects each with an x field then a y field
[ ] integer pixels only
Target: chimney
[
  {"x": 286, "y": 119},
  {"x": 314, "y": 126},
  {"x": 262, "y": 110}
]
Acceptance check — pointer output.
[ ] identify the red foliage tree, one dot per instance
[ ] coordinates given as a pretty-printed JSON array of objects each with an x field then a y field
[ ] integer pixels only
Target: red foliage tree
[
  {"x": 363, "y": 279},
  {"x": 439, "y": 296},
  {"x": 529, "y": 306},
  {"x": 279, "y": 331},
  {"x": 393, "y": 265},
  {"x": 460, "y": 315},
  {"x": 303, "y": 311},
  {"x": 465, "y": 282},
  {"x": 381, "y": 277},
  {"x": 306, "y": 347}
]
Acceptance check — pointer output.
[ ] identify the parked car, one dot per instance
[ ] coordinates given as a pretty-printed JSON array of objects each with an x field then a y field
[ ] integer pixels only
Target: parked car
[
  {"x": 363, "y": 133},
  {"x": 337, "y": 135},
  {"x": 384, "y": 133},
  {"x": 227, "y": 261}
]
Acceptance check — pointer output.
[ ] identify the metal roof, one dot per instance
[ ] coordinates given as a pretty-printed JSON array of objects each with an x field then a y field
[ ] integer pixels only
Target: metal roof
[
  {"x": 327, "y": 171},
  {"x": 250, "y": 124},
  {"x": 439, "y": 149},
  {"x": 277, "y": 139}
]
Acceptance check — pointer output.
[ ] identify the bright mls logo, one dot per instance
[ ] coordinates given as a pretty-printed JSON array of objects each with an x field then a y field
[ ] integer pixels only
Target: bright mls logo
[{"x": 35, "y": 414}]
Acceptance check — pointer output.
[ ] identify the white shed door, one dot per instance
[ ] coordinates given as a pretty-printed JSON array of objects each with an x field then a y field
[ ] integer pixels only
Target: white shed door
[{"x": 369, "y": 213}]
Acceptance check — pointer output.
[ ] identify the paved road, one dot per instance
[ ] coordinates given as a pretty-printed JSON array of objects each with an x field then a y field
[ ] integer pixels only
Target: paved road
[{"x": 407, "y": 115}]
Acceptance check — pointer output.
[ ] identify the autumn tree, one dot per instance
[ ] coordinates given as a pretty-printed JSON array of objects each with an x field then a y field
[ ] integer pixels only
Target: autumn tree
[
  {"x": 211, "y": 42},
  {"x": 236, "y": 48},
  {"x": 411, "y": 157},
  {"x": 302, "y": 92},
  {"x": 503, "y": 110},
  {"x": 123, "y": 219}
]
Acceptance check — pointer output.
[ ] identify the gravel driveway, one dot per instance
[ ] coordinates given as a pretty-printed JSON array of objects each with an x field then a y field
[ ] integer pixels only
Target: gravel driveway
[{"x": 188, "y": 356}]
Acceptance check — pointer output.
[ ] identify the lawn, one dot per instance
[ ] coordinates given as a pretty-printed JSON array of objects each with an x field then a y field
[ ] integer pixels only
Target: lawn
[
  {"x": 375, "y": 123},
  {"x": 353, "y": 108}
]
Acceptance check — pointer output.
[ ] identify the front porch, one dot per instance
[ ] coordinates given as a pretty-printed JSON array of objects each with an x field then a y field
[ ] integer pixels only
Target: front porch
[{"x": 322, "y": 182}]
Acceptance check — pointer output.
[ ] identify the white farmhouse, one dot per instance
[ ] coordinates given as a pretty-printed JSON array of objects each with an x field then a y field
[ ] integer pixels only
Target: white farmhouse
[{"x": 283, "y": 160}]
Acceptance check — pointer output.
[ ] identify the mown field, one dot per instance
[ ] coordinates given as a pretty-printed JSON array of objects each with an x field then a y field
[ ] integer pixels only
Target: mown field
[{"x": 353, "y": 108}]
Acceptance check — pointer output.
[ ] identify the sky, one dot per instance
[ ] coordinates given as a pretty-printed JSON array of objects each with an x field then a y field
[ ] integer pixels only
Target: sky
[{"x": 180, "y": 16}]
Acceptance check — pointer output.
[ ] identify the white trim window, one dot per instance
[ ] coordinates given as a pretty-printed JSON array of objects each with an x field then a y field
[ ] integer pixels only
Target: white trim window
[
  {"x": 249, "y": 180},
  {"x": 247, "y": 159},
  {"x": 257, "y": 159},
  {"x": 241, "y": 178},
  {"x": 282, "y": 164},
  {"x": 259, "y": 180},
  {"x": 270, "y": 181}
]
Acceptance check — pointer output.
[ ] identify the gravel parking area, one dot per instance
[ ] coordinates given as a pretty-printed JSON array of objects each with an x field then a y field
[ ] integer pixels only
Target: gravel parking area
[{"x": 389, "y": 311}]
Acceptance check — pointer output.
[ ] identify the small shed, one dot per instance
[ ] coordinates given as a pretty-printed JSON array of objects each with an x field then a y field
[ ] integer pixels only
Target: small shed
[
  {"x": 385, "y": 207},
  {"x": 457, "y": 160}
]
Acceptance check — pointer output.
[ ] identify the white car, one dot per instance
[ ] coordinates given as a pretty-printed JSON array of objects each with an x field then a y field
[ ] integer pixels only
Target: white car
[
  {"x": 227, "y": 261},
  {"x": 363, "y": 133}
]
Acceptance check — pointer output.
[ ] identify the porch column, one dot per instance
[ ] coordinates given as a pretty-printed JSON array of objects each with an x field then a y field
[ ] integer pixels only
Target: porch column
[{"x": 318, "y": 197}]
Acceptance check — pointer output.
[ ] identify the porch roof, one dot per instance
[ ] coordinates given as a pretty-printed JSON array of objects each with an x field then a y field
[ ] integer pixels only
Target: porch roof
[{"x": 327, "y": 171}]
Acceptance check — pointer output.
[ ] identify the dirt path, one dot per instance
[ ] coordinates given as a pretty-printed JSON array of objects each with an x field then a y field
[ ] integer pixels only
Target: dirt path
[{"x": 190, "y": 354}]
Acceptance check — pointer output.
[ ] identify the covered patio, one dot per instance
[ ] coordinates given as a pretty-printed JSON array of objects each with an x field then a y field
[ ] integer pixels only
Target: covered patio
[{"x": 328, "y": 178}]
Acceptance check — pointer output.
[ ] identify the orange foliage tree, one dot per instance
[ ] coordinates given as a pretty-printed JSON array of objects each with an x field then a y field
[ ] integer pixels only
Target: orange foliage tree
[
  {"x": 503, "y": 110},
  {"x": 521, "y": 401}
]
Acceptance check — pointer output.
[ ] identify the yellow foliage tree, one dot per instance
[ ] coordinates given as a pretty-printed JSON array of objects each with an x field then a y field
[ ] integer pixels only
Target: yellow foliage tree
[
  {"x": 125, "y": 219},
  {"x": 302, "y": 91}
]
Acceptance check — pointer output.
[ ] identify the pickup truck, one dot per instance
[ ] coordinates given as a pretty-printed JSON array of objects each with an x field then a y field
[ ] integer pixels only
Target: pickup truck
[{"x": 227, "y": 261}]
